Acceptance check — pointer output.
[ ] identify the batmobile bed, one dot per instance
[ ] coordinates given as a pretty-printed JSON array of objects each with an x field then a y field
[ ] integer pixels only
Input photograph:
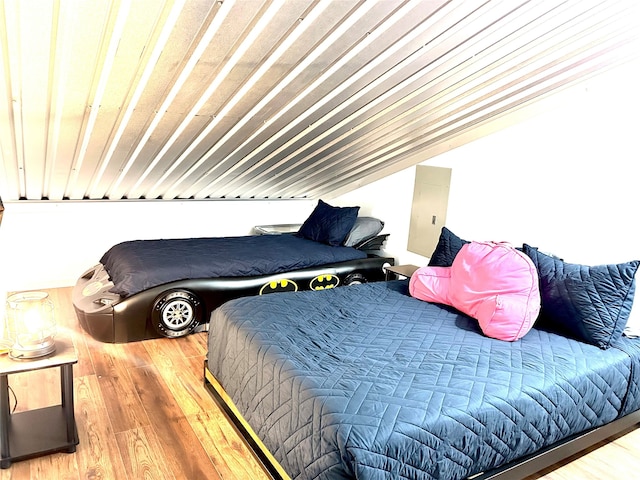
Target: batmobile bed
[{"x": 150, "y": 288}]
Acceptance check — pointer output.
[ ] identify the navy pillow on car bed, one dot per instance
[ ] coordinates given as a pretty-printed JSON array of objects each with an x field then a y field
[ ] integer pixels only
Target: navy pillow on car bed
[{"x": 328, "y": 224}]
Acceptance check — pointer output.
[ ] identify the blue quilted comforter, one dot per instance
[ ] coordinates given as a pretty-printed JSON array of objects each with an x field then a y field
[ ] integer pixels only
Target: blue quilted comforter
[
  {"x": 141, "y": 264},
  {"x": 367, "y": 382}
]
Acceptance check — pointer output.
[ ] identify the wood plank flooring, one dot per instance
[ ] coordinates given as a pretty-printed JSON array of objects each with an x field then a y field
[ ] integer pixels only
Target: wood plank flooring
[{"x": 143, "y": 413}]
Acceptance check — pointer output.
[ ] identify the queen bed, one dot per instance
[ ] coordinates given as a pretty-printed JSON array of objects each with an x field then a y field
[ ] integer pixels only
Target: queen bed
[{"x": 370, "y": 382}]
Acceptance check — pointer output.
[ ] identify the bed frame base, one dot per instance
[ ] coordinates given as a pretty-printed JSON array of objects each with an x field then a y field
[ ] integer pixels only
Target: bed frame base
[
  {"x": 516, "y": 470},
  {"x": 560, "y": 451},
  {"x": 268, "y": 462}
]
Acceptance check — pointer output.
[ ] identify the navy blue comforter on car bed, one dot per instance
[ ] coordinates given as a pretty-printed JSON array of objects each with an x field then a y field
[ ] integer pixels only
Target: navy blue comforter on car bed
[
  {"x": 137, "y": 265},
  {"x": 368, "y": 382}
]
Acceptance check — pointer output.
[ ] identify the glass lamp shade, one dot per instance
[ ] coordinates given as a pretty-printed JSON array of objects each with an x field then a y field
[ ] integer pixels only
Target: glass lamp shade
[{"x": 31, "y": 325}]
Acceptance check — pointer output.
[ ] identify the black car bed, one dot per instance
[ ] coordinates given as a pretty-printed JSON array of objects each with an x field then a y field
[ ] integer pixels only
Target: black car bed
[{"x": 168, "y": 287}]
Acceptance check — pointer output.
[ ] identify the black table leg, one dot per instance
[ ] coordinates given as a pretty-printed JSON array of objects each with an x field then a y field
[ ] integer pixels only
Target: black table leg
[
  {"x": 4, "y": 422},
  {"x": 66, "y": 381}
]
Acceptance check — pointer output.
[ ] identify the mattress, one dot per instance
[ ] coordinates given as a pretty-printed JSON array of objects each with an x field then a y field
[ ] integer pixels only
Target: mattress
[
  {"x": 137, "y": 265},
  {"x": 368, "y": 382}
]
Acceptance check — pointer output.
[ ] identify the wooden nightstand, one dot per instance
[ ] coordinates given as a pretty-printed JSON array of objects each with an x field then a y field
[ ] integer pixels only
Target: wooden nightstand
[
  {"x": 399, "y": 271},
  {"x": 45, "y": 430}
]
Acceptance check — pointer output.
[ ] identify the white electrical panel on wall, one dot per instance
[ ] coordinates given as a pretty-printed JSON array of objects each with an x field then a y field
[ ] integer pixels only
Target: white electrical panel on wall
[{"x": 429, "y": 208}]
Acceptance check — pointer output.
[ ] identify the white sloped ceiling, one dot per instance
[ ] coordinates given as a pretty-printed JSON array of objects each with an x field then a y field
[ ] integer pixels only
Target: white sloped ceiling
[{"x": 115, "y": 99}]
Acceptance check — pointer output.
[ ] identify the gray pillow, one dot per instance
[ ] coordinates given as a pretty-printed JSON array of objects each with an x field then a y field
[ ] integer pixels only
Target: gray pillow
[{"x": 364, "y": 229}]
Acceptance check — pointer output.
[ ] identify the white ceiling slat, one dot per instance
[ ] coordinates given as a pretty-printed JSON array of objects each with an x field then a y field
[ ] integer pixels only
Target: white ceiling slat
[
  {"x": 117, "y": 99},
  {"x": 302, "y": 126},
  {"x": 166, "y": 100},
  {"x": 112, "y": 38},
  {"x": 56, "y": 169},
  {"x": 254, "y": 168},
  {"x": 109, "y": 146},
  {"x": 347, "y": 161},
  {"x": 71, "y": 84},
  {"x": 13, "y": 79},
  {"x": 460, "y": 126},
  {"x": 265, "y": 100},
  {"x": 364, "y": 122},
  {"x": 212, "y": 30},
  {"x": 267, "y": 17},
  {"x": 227, "y": 168},
  {"x": 360, "y": 119},
  {"x": 35, "y": 63},
  {"x": 10, "y": 183},
  {"x": 161, "y": 43},
  {"x": 77, "y": 190},
  {"x": 513, "y": 106},
  {"x": 371, "y": 162},
  {"x": 211, "y": 90}
]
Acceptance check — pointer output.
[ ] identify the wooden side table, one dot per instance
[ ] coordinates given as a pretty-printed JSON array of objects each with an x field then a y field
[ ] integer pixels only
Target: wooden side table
[
  {"x": 399, "y": 271},
  {"x": 41, "y": 431}
]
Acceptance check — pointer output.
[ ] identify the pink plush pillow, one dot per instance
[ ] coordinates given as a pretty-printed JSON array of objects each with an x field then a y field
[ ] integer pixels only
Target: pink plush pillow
[{"x": 491, "y": 282}]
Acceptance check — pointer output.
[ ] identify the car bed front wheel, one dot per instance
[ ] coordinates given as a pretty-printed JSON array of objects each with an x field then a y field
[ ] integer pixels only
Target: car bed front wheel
[{"x": 176, "y": 313}]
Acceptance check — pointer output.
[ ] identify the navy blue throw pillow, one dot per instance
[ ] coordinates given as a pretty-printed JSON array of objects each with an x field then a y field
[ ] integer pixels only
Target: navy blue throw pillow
[
  {"x": 591, "y": 304},
  {"x": 328, "y": 224},
  {"x": 449, "y": 244}
]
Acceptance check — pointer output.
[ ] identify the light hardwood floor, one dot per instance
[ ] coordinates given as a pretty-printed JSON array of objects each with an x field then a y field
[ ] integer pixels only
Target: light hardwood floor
[{"x": 143, "y": 413}]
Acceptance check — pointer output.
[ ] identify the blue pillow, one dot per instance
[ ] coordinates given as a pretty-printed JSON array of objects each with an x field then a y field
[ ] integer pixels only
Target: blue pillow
[
  {"x": 449, "y": 244},
  {"x": 591, "y": 304},
  {"x": 328, "y": 224}
]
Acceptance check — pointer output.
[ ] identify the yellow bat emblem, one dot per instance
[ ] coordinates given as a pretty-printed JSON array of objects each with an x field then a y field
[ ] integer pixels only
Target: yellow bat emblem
[
  {"x": 282, "y": 285},
  {"x": 323, "y": 282}
]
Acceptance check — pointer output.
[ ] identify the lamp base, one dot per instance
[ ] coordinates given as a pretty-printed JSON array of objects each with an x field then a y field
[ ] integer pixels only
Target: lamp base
[{"x": 29, "y": 352}]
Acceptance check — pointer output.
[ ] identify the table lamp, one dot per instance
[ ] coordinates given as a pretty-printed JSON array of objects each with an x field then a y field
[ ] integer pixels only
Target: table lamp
[{"x": 31, "y": 325}]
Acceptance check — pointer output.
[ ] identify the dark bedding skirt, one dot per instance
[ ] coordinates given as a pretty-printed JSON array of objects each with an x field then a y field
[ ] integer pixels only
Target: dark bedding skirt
[{"x": 367, "y": 382}]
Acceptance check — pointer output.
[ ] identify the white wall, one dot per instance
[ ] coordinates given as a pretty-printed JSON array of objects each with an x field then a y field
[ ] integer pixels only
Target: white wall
[
  {"x": 565, "y": 181},
  {"x": 389, "y": 200},
  {"x": 50, "y": 244}
]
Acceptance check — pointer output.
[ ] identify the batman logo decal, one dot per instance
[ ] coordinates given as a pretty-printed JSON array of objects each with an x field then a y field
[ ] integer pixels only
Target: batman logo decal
[
  {"x": 323, "y": 282},
  {"x": 282, "y": 285}
]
